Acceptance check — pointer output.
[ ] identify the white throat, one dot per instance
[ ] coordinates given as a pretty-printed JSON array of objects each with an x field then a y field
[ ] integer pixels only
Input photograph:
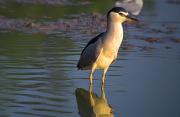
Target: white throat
[{"x": 115, "y": 34}]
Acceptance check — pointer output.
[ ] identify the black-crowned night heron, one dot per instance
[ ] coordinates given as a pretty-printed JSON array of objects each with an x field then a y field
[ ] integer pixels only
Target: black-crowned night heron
[{"x": 102, "y": 50}]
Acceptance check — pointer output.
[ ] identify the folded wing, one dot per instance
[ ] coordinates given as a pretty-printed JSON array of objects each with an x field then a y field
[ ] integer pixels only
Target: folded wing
[{"x": 91, "y": 52}]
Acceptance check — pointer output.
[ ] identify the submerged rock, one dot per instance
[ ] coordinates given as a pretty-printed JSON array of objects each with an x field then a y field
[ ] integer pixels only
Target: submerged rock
[
  {"x": 173, "y": 1},
  {"x": 147, "y": 48},
  {"x": 13, "y": 24},
  {"x": 175, "y": 40},
  {"x": 49, "y": 2},
  {"x": 152, "y": 40},
  {"x": 83, "y": 24}
]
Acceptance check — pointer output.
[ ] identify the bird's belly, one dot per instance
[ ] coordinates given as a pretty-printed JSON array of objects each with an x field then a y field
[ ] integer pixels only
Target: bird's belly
[{"x": 104, "y": 61}]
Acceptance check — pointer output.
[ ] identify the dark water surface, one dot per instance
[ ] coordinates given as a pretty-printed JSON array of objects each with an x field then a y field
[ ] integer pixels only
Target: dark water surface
[{"x": 38, "y": 75}]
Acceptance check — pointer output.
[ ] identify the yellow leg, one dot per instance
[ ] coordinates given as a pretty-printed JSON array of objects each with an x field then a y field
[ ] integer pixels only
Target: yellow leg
[
  {"x": 91, "y": 74},
  {"x": 102, "y": 88},
  {"x": 104, "y": 75},
  {"x": 102, "y": 92},
  {"x": 90, "y": 78}
]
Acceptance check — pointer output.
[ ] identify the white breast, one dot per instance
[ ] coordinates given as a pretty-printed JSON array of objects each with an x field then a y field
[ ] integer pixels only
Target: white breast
[
  {"x": 110, "y": 45},
  {"x": 104, "y": 60}
]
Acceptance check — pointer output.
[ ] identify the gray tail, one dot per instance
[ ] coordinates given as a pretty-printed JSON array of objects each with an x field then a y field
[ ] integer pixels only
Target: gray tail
[{"x": 78, "y": 66}]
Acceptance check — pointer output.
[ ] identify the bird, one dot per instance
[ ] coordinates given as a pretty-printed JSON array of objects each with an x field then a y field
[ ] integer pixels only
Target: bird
[
  {"x": 132, "y": 6},
  {"x": 101, "y": 51}
]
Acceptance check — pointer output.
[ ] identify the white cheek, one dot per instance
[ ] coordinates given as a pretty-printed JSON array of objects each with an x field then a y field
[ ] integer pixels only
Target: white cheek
[{"x": 124, "y": 13}]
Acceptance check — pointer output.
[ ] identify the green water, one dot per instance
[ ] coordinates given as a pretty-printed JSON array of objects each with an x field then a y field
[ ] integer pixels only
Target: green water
[{"x": 38, "y": 75}]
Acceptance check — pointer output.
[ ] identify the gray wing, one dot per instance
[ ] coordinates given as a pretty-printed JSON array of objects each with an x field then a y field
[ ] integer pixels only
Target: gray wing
[{"x": 90, "y": 52}]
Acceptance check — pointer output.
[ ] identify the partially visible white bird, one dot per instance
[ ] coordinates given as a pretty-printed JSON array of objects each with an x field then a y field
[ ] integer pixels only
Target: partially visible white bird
[
  {"x": 102, "y": 50},
  {"x": 132, "y": 6}
]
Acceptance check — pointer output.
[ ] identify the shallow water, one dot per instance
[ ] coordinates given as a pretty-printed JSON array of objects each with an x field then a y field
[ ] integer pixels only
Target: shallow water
[{"x": 38, "y": 75}]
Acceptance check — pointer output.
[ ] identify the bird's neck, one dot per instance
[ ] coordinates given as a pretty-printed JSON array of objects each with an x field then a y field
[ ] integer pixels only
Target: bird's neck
[{"x": 115, "y": 32}]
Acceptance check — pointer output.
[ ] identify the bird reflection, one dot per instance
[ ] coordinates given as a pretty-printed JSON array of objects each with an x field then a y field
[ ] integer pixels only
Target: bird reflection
[
  {"x": 90, "y": 105},
  {"x": 132, "y": 6}
]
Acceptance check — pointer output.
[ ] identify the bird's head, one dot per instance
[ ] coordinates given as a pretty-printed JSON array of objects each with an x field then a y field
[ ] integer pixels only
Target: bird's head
[{"x": 119, "y": 14}]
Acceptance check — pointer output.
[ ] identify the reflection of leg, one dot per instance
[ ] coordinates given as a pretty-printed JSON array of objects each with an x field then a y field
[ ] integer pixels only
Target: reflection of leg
[
  {"x": 90, "y": 96},
  {"x": 90, "y": 88},
  {"x": 102, "y": 88},
  {"x": 91, "y": 77},
  {"x": 102, "y": 92},
  {"x": 104, "y": 75},
  {"x": 91, "y": 74}
]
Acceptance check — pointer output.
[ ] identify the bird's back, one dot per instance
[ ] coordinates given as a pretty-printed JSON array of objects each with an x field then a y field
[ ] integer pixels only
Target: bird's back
[{"x": 90, "y": 52}]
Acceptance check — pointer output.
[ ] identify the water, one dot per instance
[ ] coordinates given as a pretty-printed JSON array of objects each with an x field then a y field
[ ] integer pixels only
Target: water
[{"x": 38, "y": 75}]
